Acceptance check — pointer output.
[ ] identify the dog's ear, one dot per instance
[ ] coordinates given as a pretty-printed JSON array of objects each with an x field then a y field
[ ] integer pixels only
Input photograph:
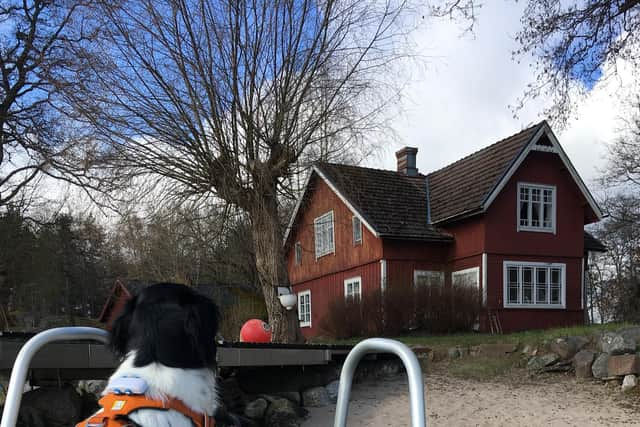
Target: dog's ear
[
  {"x": 201, "y": 326},
  {"x": 119, "y": 337}
]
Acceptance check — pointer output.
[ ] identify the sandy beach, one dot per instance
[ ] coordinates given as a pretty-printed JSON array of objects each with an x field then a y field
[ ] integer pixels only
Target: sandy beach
[{"x": 554, "y": 401}]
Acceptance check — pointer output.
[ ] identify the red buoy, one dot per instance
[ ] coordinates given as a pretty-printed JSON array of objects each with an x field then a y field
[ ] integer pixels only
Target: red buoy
[{"x": 255, "y": 330}]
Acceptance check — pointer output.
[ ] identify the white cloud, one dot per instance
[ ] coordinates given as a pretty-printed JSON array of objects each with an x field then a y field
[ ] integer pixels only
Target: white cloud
[{"x": 460, "y": 102}]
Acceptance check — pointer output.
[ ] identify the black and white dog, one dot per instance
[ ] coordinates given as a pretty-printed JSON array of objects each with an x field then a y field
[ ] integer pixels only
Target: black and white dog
[{"x": 166, "y": 337}]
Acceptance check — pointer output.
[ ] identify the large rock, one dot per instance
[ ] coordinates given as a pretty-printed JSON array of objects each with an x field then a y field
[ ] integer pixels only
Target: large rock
[
  {"x": 629, "y": 383},
  {"x": 616, "y": 344},
  {"x": 567, "y": 347},
  {"x": 316, "y": 397},
  {"x": 630, "y": 333},
  {"x": 58, "y": 407},
  {"x": 282, "y": 413},
  {"x": 332, "y": 390},
  {"x": 582, "y": 362},
  {"x": 625, "y": 364},
  {"x": 495, "y": 350},
  {"x": 600, "y": 367},
  {"x": 537, "y": 363},
  {"x": 256, "y": 409}
]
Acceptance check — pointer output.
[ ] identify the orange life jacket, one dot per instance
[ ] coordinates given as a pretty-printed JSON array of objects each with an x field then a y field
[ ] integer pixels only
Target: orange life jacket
[{"x": 116, "y": 407}]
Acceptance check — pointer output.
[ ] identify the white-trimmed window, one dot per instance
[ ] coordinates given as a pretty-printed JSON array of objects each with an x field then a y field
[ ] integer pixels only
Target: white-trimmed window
[
  {"x": 304, "y": 308},
  {"x": 534, "y": 284},
  {"x": 469, "y": 277},
  {"x": 323, "y": 226},
  {"x": 428, "y": 278},
  {"x": 357, "y": 230},
  {"x": 298, "y": 251},
  {"x": 536, "y": 207},
  {"x": 353, "y": 288}
]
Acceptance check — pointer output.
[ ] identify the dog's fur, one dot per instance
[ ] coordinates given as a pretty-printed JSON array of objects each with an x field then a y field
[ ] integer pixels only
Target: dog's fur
[{"x": 166, "y": 335}]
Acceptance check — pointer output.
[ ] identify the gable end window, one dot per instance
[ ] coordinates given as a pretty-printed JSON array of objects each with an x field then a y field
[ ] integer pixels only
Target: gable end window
[
  {"x": 353, "y": 288},
  {"x": 536, "y": 208},
  {"x": 298, "y": 250},
  {"x": 357, "y": 230},
  {"x": 534, "y": 285},
  {"x": 323, "y": 227},
  {"x": 304, "y": 309}
]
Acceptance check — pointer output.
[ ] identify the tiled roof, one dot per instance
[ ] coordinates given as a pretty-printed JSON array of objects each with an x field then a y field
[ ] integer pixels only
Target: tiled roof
[
  {"x": 394, "y": 204},
  {"x": 462, "y": 186}
]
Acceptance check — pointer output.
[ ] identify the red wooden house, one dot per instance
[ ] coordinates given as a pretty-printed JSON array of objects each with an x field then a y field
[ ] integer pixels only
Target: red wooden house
[{"x": 508, "y": 219}]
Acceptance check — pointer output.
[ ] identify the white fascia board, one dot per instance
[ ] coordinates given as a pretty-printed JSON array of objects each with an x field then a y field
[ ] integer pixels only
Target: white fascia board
[
  {"x": 345, "y": 201},
  {"x": 294, "y": 215},
  {"x": 544, "y": 130}
]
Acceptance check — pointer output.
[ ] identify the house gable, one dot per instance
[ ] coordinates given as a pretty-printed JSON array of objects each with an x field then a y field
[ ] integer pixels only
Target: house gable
[{"x": 545, "y": 141}]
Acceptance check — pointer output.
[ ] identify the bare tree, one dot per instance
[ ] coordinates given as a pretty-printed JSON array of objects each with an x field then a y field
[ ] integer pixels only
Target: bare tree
[
  {"x": 37, "y": 135},
  {"x": 232, "y": 99},
  {"x": 573, "y": 41}
]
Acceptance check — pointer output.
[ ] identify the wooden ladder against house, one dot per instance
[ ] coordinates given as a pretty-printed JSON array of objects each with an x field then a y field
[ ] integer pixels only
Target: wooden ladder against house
[{"x": 494, "y": 323}]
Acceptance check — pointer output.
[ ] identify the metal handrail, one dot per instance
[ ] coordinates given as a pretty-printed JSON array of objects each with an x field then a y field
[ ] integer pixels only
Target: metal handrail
[
  {"x": 23, "y": 361},
  {"x": 414, "y": 374}
]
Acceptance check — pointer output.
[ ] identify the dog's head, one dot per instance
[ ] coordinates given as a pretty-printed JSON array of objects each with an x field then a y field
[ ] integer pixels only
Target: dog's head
[{"x": 170, "y": 324}]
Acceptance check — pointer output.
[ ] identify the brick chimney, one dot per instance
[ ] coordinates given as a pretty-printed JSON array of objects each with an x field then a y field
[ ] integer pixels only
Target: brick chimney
[{"x": 407, "y": 161}]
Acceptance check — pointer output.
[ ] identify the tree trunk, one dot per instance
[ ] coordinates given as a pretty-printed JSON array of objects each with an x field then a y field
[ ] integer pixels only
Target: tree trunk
[{"x": 271, "y": 267}]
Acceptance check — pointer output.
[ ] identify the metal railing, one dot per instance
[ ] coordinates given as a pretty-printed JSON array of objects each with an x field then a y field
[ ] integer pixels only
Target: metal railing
[
  {"x": 23, "y": 361},
  {"x": 414, "y": 374}
]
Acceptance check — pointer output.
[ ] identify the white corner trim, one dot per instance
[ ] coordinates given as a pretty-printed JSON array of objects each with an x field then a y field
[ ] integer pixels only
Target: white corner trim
[
  {"x": 484, "y": 279},
  {"x": 544, "y": 130},
  {"x": 345, "y": 201},
  {"x": 582, "y": 283},
  {"x": 383, "y": 275}
]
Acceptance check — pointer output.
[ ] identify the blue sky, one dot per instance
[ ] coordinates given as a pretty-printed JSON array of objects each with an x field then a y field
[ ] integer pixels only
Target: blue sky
[{"x": 458, "y": 102}]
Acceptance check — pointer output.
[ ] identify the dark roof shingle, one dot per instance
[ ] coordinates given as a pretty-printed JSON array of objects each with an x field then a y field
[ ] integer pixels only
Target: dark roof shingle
[
  {"x": 462, "y": 186},
  {"x": 394, "y": 204}
]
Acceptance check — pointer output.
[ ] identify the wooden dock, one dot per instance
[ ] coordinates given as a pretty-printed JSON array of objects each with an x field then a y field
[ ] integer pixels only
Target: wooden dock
[{"x": 88, "y": 360}]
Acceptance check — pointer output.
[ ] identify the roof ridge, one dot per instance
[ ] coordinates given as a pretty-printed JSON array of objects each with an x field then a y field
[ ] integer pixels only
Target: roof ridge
[
  {"x": 389, "y": 171},
  {"x": 530, "y": 128}
]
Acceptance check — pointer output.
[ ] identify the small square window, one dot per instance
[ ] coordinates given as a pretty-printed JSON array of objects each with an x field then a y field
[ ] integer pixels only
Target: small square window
[{"x": 536, "y": 208}]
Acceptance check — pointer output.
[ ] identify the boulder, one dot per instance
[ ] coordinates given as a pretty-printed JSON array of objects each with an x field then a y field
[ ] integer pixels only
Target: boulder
[
  {"x": 282, "y": 413},
  {"x": 616, "y": 344},
  {"x": 630, "y": 333},
  {"x": 496, "y": 350},
  {"x": 529, "y": 350},
  {"x": 582, "y": 362},
  {"x": 625, "y": 364},
  {"x": 93, "y": 387},
  {"x": 256, "y": 408},
  {"x": 567, "y": 347},
  {"x": 59, "y": 407},
  {"x": 600, "y": 366},
  {"x": 332, "y": 390},
  {"x": 537, "y": 363},
  {"x": 629, "y": 383},
  {"x": 293, "y": 396},
  {"x": 315, "y": 397}
]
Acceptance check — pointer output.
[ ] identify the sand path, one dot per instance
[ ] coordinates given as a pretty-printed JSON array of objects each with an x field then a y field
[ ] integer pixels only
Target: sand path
[{"x": 558, "y": 401}]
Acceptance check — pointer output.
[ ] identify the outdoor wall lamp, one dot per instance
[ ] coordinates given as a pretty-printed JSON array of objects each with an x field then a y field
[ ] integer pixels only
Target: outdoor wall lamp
[{"x": 287, "y": 298}]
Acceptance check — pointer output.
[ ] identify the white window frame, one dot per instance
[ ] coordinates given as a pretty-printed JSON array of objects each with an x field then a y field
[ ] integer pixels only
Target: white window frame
[
  {"x": 554, "y": 209},
  {"x": 298, "y": 253},
  {"x": 351, "y": 281},
  {"x": 418, "y": 273},
  {"x": 534, "y": 265},
  {"x": 301, "y": 312},
  {"x": 356, "y": 225},
  {"x": 325, "y": 249},
  {"x": 474, "y": 270}
]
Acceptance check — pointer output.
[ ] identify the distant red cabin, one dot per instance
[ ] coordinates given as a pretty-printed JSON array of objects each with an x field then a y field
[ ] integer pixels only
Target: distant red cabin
[{"x": 509, "y": 219}]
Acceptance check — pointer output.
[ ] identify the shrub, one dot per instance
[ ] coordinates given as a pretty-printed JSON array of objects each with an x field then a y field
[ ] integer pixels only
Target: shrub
[{"x": 400, "y": 309}]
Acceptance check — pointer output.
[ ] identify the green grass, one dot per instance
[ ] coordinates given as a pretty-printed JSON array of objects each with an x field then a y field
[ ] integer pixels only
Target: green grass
[{"x": 468, "y": 340}]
